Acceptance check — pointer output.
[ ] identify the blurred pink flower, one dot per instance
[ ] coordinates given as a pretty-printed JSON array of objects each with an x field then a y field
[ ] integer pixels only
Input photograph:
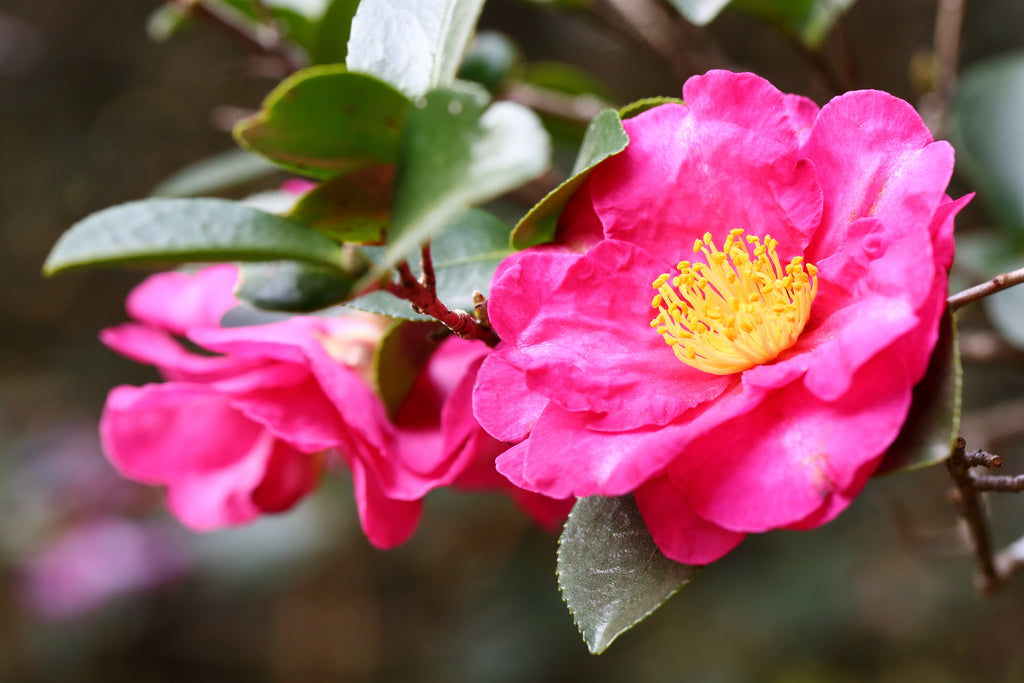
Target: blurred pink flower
[
  {"x": 783, "y": 382},
  {"x": 73, "y": 575},
  {"x": 441, "y": 443},
  {"x": 248, "y": 431}
]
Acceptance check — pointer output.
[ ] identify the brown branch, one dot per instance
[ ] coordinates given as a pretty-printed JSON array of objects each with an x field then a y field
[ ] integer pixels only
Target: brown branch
[
  {"x": 949, "y": 20},
  {"x": 996, "y": 284},
  {"x": 576, "y": 108},
  {"x": 265, "y": 38},
  {"x": 968, "y": 503},
  {"x": 424, "y": 300}
]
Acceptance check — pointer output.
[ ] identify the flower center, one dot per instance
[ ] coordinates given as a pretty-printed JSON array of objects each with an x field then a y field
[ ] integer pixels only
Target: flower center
[{"x": 735, "y": 311}]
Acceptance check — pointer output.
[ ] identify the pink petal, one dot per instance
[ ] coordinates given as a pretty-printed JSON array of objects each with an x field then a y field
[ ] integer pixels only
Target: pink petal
[
  {"x": 153, "y": 346},
  {"x": 579, "y": 227},
  {"x": 677, "y": 530},
  {"x": 780, "y": 462},
  {"x": 299, "y": 414},
  {"x": 564, "y": 457},
  {"x": 176, "y": 301},
  {"x": 222, "y": 497},
  {"x": 387, "y": 522},
  {"x": 160, "y": 433},
  {"x": 728, "y": 159},
  {"x": 875, "y": 158},
  {"x": 502, "y": 403}
]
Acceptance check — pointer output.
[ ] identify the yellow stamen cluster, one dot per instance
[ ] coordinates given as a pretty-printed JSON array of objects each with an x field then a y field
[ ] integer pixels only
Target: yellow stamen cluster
[{"x": 737, "y": 310}]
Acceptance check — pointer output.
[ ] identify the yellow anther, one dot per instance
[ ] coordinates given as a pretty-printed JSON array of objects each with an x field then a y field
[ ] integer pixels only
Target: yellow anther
[{"x": 738, "y": 310}]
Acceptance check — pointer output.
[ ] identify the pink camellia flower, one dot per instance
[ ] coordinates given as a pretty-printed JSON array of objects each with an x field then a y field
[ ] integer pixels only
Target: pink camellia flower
[
  {"x": 248, "y": 431},
  {"x": 440, "y": 443},
  {"x": 799, "y": 265}
]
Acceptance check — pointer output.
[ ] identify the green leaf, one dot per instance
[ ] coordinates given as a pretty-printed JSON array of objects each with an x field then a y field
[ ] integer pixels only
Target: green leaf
[
  {"x": 323, "y": 121},
  {"x": 456, "y": 154},
  {"x": 354, "y": 207},
  {"x": 293, "y": 286},
  {"x": 215, "y": 174},
  {"x": 605, "y": 137},
  {"x": 700, "y": 12},
  {"x": 464, "y": 257},
  {"x": 933, "y": 424},
  {"x": 611, "y": 573},
  {"x": 640, "y": 106},
  {"x": 331, "y": 45},
  {"x": 178, "y": 230},
  {"x": 986, "y": 128},
  {"x": 808, "y": 20},
  {"x": 397, "y": 361},
  {"x": 415, "y": 46}
]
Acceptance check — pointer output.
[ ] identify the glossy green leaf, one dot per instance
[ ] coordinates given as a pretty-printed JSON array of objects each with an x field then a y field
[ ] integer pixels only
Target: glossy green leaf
[
  {"x": 605, "y": 137},
  {"x": 934, "y": 421},
  {"x": 215, "y": 174},
  {"x": 323, "y": 121},
  {"x": 354, "y": 207},
  {"x": 175, "y": 230},
  {"x": 808, "y": 20},
  {"x": 293, "y": 286},
  {"x": 987, "y": 130},
  {"x": 611, "y": 573},
  {"x": 401, "y": 355},
  {"x": 701, "y": 12},
  {"x": 464, "y": 257},
  {"x": 415, "y": 46},
  {"x": 456, "y": 153}
]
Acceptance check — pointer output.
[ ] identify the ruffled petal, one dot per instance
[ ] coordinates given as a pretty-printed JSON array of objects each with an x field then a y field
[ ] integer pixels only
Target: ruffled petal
[
  {"x": 727, "y": 159},
  {"x": 680, "y": 533},
  {"x": 145, "y": 344},
  {"x": 176, "y": 301},
  {"x": 160, "y": 433},
  {"x": 502, "y": 403},
  {"x": 299, "y": 414},
  {"x": 564, "y": 457},
  {"x": 794, "y": 451}
]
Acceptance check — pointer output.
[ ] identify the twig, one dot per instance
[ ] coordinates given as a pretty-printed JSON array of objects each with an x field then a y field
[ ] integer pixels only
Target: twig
[
  {"x": 949, "y": 19},
  {"x": 665, "y": 35},
  {"x": 996, "y": 284},
  {"x": 422, "y": 294},
  {"x": 968, "y": 503},
  {"x": 576, "y": 108},
  {"x": 264, "y": 37}
]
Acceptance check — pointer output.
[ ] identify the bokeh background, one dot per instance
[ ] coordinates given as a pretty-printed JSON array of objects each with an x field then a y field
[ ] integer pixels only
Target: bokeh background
[{"x": 98, "y": 583}]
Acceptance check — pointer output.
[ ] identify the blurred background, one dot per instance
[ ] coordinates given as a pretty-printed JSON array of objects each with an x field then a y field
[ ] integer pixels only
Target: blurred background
[{"x": 99, "y": 583}]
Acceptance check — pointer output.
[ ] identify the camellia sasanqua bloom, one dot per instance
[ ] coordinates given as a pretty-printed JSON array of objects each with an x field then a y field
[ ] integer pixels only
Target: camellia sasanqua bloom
[
  {"x": 249, "y": 430},
  {"x": 734, "y": 314}
]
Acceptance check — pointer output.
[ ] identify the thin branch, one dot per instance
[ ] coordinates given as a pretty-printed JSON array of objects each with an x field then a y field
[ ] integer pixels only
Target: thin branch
[
  {"x": 576, "y": 108},
  {"x": 949, "y": 20},
  {"x": 423, "y": 299},
  {"x": 987, "y": 482},
  {"x": 429, "y": 278},
  {"x": 968, "y": 503},
  {"x": 265, "y": 38},
  {"x": 996, "y": 284}
]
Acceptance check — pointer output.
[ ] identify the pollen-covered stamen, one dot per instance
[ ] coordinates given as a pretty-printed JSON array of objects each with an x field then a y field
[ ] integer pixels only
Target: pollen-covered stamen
[{"x": 737, "y": 310}]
